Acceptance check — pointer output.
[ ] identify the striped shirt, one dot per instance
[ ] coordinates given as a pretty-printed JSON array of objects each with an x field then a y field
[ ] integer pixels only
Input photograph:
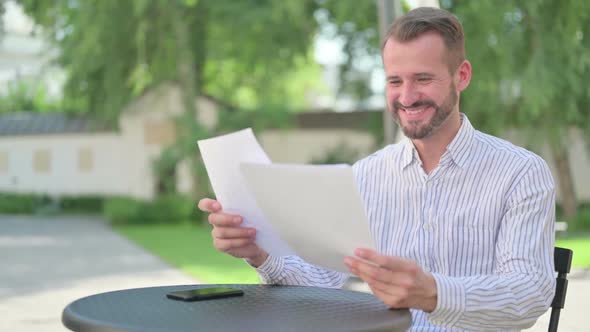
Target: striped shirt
[{"x": 482, "y": 222}]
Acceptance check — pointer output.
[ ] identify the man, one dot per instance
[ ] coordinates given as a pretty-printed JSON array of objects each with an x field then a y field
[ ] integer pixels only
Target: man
[{"x": 463, "y": 221}]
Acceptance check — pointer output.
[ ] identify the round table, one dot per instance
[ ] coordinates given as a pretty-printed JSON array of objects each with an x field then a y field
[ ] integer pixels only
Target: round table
[{"x": 261, "y": 308}]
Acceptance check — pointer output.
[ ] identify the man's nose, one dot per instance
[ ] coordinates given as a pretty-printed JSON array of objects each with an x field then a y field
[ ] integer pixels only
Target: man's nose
[{"x": 408, "y": 95}]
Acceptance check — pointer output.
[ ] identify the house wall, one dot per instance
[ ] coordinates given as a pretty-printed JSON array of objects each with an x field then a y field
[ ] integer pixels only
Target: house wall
[
  {"x": 113, "y": 163},
  {"x": 304, "y": 145},
  {"x": 67, "y": 164}
]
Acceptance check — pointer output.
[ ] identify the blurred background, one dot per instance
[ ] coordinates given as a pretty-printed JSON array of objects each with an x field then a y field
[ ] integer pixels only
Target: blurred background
[{"x": 102, "y": 102}]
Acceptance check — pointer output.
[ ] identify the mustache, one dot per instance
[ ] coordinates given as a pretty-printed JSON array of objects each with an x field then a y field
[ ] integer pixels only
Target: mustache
[{"x": 397, "y": 105}]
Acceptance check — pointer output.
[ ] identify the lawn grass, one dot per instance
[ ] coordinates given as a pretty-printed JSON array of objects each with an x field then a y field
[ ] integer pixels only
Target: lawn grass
[
  {"x": 581, "y": 248},
  {"x": 189, "y": 248}
]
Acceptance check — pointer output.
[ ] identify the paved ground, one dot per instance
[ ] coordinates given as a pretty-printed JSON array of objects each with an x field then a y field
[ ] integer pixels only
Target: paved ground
[
  {"x": 45, "y": 263},
  {"x": 574, "y": 316}
]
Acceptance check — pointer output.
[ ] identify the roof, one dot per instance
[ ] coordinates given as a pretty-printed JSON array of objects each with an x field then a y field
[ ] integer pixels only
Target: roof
[
  {"x": 359, "y": 120},
  {"x": 30, "y": 123}
]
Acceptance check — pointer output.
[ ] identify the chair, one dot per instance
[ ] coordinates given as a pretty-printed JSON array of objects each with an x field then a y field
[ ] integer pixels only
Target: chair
[{"x": 563, "y": 261}]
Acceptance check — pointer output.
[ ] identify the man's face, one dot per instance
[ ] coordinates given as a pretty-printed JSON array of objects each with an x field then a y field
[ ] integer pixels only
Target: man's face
[{"x": 420, "y": 91}]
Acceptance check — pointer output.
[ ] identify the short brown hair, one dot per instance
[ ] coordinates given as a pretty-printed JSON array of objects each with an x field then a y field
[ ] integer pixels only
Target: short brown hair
[{"x": 419, "y": 21}]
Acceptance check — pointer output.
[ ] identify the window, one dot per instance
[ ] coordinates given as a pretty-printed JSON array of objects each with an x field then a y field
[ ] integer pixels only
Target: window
[
  {"x": 42, "y": 161},
  {"x": 4, "y": 162},
  {"x": 159, "y": 133},
  {"x": 85, "y": 160}
]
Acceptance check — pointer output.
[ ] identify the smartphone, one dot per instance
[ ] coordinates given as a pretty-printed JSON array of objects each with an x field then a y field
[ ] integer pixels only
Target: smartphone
[{"x": 200, "y": 294}]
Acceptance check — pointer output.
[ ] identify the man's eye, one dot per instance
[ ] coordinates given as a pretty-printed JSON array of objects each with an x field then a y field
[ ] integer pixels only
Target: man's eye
[
  {"x": 396, "y": 83},
  {"x": 424, "y": 79}
]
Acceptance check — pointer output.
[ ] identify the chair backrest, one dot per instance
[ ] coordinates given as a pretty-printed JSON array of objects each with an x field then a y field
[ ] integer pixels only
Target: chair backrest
[{"x": 563, "y": 262}]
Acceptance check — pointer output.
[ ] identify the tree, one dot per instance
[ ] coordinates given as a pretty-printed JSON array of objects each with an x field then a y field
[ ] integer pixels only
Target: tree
[
  {"x": 114, "y": 50},
  {"x": 531, "y": 63},
  {"x": 242, "y": 53}
]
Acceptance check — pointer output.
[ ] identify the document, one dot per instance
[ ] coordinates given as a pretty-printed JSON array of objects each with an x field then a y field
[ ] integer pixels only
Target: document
[
  {"x": 316, "y": 209},
  {"x": 222, "y": 157},
  {"x": 313, "y": 211}
]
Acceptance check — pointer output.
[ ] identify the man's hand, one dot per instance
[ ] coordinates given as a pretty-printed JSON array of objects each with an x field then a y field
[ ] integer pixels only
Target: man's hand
[
  {"x": 398, "y": 282},
  {"x": 228, "y": 235}
]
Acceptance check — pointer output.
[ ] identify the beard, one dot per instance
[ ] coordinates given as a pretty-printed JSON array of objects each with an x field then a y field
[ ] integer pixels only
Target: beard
[{"x": 413, "y": 129}]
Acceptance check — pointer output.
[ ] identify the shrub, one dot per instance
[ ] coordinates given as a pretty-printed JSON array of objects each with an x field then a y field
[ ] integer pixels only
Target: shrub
[
  {"x": 12, "y": 203},
  {"x": 123, "y": 210},
  {"x": 30, "y": 203},
  {"x": 84, "y": 204},
  {"x": 581, "y": 220},
  {"x": 170, "y": 208}
]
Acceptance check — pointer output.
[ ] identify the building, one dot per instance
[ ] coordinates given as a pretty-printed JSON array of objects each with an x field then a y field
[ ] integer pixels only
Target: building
[{"x": 56, "y": 154}]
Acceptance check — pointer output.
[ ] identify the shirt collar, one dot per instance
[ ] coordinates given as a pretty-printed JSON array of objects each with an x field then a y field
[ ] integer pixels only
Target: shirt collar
[
  {"x": 459, "y": 148},
  {"x": 457, "y": 151}
]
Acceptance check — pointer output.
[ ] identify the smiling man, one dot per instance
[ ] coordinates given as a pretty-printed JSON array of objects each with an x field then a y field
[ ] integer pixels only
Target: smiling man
[{"x": 463, "y": 221}]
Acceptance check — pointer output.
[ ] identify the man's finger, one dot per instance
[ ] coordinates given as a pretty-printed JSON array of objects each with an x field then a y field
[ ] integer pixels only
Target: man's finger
[
  {"x": 233, "y": 232},
  {"x": 393, "y": 300},
  {"x": 368, "y": 271},
  {"x": 225, "y": 245},
  {"x": 392, "y": 263},
  {"x": 388, "y": 290},
  {"x": 377, "y": 274},
  {"x": 224, "y": 220},
  {"x": 209, "y": 205},
  {"x": 245, "y": 252}
]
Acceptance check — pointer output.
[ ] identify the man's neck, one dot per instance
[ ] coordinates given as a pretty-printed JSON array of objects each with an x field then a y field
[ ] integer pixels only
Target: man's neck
[{"x": 431, "y": 148}]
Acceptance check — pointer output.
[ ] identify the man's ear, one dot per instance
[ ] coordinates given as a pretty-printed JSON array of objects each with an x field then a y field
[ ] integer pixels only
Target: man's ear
[{"x": 463, "y": 75}]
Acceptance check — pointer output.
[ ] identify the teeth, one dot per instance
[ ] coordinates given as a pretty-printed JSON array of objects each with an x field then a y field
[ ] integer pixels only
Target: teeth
[{"x": 415, "y": 112}]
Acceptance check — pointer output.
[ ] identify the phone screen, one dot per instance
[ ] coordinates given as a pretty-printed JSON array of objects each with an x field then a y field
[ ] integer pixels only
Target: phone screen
[{"x": 200, "y": 294}]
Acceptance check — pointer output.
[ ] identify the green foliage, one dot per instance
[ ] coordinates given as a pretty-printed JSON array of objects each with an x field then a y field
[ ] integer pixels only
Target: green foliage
[
  {"x": 249, "y": 53},
  {"x": 30, "y": 203},
  {"x": 269, "y": 117},
  {"x": 581, "y": 221},
  {"x": 21, "y": 203},
  {"x": 169, "y": 208},
  {"x": 114, "y": 50},
  {"x": 23, "y": 96},
  {"x": 531, "y": 63},
  {"x": 355, "y": 24},
  {"x": 81, "y": 204},
  {"x": 375, "y": 127},
  {"x": 123, "y": 210}
]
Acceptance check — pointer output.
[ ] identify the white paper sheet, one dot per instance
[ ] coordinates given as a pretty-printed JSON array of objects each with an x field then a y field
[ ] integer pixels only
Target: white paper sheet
[
  {"x": 222, "y": 156},
  {"x": 316, "y": 209}
]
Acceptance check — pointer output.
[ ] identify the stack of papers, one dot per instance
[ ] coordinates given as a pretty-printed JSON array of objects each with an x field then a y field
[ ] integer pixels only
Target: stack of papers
[{"x": 313, "y": 211}]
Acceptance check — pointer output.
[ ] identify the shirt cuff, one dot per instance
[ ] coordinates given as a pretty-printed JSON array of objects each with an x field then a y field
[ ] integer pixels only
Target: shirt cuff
[
  {"x": 450, "y": 304},
  {"x": 271, "y": 270}
]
